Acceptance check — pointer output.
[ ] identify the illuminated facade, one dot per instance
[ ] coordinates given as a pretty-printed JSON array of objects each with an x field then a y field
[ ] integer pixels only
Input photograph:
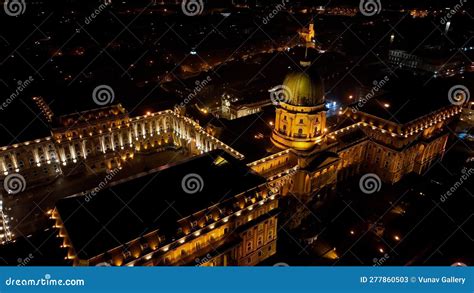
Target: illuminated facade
[
  {"x": 315, "y": 156},
  {"x": 403, "y": 59},
  {"x": 308, "y": 34},
  {"x": 100, "y": 140},
  {"x": 240, "y": 229},
  {"x": 231, "y": 110},
  {"x": 468, "y": 113},
  {"x": 300, "y": 122}
]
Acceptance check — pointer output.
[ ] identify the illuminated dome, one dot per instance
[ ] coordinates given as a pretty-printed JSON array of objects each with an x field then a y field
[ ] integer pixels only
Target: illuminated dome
[{"x": 305, "y": 88}]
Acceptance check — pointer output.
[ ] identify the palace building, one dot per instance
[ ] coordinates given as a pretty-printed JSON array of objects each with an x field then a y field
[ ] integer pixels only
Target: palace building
[
  {"x": 102, "y": 139},
  {"x": 227, "y": 217},
  {"x": 150, "y": 219},
  {"x": 232, "y": 108},
  {"x": 313, "y": 152}
]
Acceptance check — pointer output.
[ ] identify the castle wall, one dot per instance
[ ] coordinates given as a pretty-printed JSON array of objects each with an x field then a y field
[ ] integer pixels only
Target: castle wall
[
  {"x": 103, "y": 146},
  {"x": 247, "y": 227}
]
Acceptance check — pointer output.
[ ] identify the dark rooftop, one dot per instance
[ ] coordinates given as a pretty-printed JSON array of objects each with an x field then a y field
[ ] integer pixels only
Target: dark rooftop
[
  {"x": 89, "y": 117},
  {"x": 249, "y": 135},
  {"x": 126, "y": 211},
  {"x": 351, "y": 137},
  {"x": 402, "y": 110},
  {"x": 323, "y": 159},
  {"x": 38, "y": 249},
  {"x": 71, "y": 104}
]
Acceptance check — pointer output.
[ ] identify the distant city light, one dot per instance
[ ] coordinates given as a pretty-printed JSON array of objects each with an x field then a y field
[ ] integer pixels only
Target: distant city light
[{"x": 448, "y": 24}]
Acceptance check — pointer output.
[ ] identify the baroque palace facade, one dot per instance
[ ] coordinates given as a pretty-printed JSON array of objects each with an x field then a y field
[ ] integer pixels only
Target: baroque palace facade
[
  {"x": 310, "y": 157},
  {"x": 315, "y": 156},
  {"x": 100, "y": 140},
  {"x": 239, "y": 230}
]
